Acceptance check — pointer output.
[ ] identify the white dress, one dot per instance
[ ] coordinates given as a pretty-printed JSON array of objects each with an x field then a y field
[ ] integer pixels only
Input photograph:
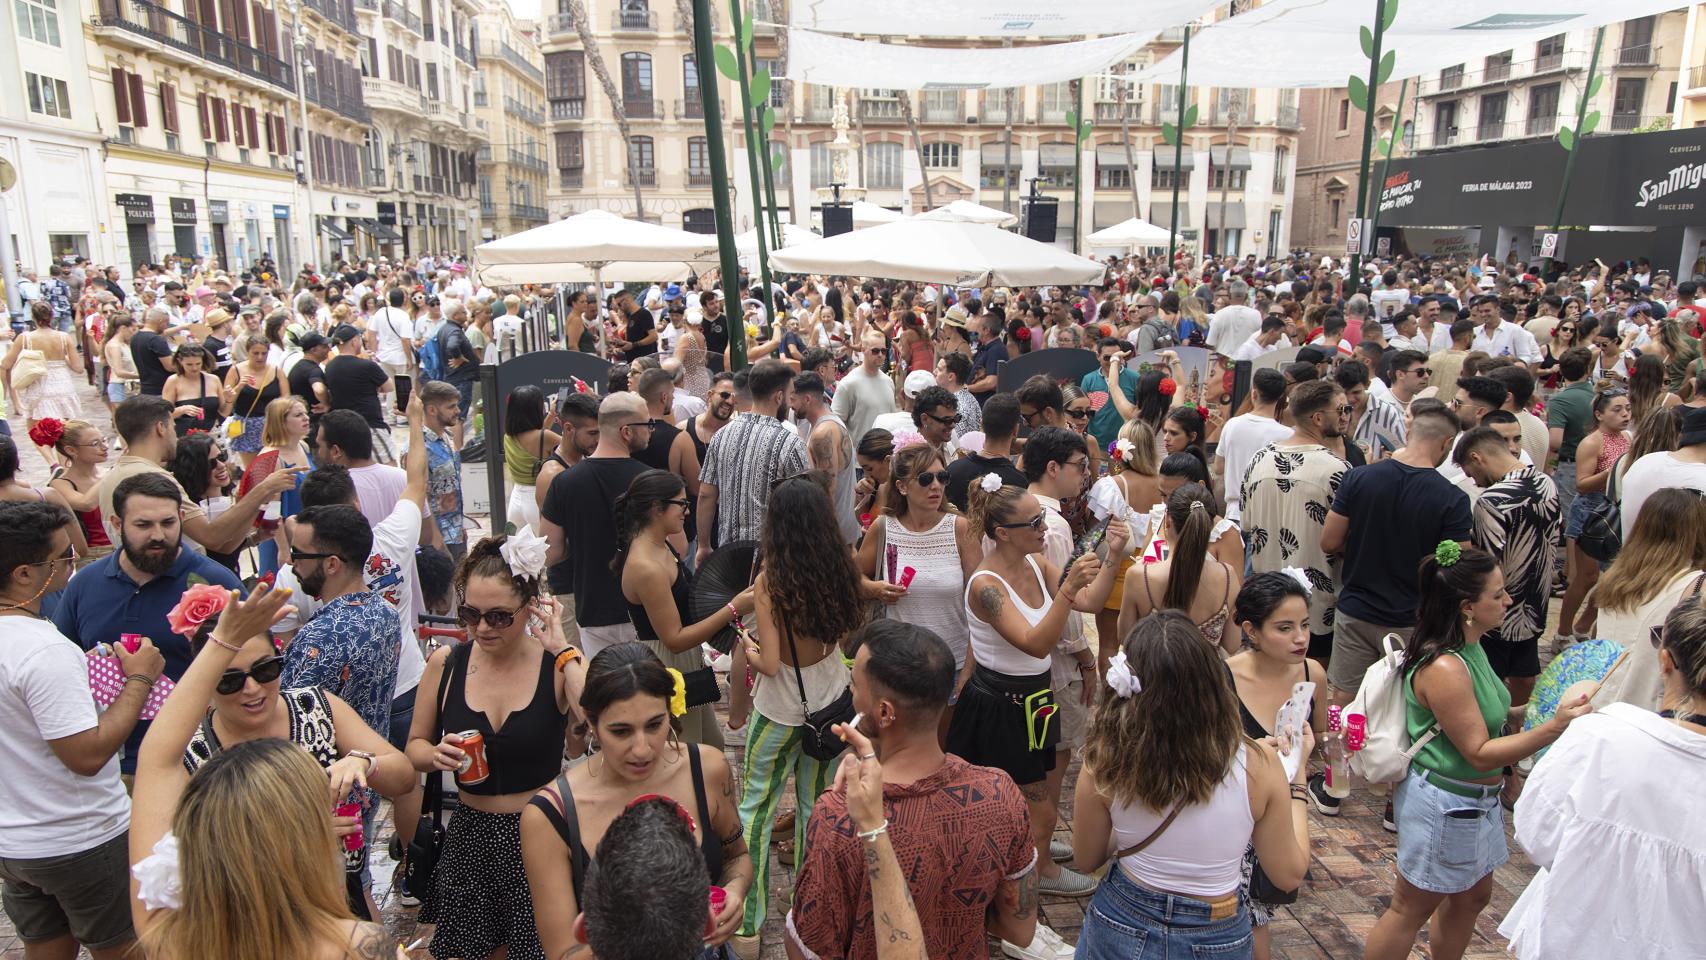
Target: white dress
[{"x": 932, "y": 599}]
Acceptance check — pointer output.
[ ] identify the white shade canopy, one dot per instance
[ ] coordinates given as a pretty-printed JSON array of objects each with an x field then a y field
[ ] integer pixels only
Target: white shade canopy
[
  {"x": 835, "y": 61},
  {"x": 869, "y": 214},
  {"x": 1135, "y": 232},
  {"x": 965, "y": 211},
  {"x": 593, "y": 244},
  {"x": 792, "y": 235},
  {"x": 992, "y": 18},
  {"x": 937, "y": 251}
]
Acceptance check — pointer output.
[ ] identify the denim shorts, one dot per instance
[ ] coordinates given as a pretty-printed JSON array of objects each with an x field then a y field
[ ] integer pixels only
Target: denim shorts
[
  {"x": 1447, "y": 843},
  {"x": 1580, "y": 509},
  {"x": 1127, "y": 922}
]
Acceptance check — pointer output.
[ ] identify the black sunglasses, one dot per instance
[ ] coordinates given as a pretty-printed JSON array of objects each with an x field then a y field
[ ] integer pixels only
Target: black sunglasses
[
  {"x": 496, "y": 619},
  {"x": 297, "y": 556},
  {"x": 1078, "y": 413},
  {"x": 945, "y": 421},
  {"x": 683, "y": 502},
  {"x": 1035, "y": 523},
  {"x": 931, "y": 478},
  {"x": 265, "y": 670}
]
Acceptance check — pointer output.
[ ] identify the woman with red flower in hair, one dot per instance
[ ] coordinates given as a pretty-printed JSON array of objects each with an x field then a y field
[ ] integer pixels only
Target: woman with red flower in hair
[
  {"x": 12, "y": 488},
  {"x": 82, "y": 449}
]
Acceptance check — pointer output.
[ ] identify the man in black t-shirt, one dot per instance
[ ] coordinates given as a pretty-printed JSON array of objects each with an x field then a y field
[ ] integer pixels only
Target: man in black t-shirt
[
  {"x": 308, "y": 380},
  {"x": 1000, "y": 426},
  {"x": 578, "y": 517},
  {"x": 151, "y": 351},
  {"x": 639, "y": 334},
  {"x": 355, "y": 383},
  {"x": 715, "y": 328}
]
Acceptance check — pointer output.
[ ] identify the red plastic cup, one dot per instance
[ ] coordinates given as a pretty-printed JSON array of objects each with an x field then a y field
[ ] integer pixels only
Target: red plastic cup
[
  {"x": 131, "y": 642},
  {"x": 906, "y": 576},
  {"x": 719, "y": 897},
  {"x": 354, "y": 841}
]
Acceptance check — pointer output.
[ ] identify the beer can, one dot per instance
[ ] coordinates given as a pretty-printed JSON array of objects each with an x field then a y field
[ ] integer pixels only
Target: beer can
[{"x": 474, "y": 768}]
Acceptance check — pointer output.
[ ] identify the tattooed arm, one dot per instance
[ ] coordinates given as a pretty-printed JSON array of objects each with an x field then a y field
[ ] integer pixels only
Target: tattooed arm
[
  {"x": 1013, "y": 913},
  {"x": 899, "y": 934}
]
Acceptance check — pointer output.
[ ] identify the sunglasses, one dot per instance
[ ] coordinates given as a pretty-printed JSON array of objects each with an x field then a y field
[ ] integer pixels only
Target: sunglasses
[
  {"x": 1419, "y": 372},
  {"x": 1078, "y": 413},
  {"x": 496, "y": 619},
  {"x": 931, "y": 478},
  {"x": 265, "y": 670},
  {"x": 297, "y": 556},
  {"x": 945, "y": 421},
  {"x": 1035, "y": 523},
  {"x": 682, "y": 502},
  {"x": 1346, "y": 408}
]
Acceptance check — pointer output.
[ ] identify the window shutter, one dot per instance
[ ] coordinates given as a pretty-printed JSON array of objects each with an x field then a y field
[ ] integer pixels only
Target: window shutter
[
  {"x": 138, "y": 99},
  {"x": 169, "y": 107},
  {"x": 249, "y": 116},
  {"x": 237, "y": 125},
  {"x": 221, "y": 132},
  {"x": 201, "y": 111},
  {"x": 121, "y": 95}
]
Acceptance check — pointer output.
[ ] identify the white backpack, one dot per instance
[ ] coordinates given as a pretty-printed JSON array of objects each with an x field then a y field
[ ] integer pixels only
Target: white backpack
[{"x": 1386, "y": 750}]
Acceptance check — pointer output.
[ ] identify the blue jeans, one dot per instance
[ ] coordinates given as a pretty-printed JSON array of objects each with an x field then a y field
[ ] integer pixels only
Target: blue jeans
[{"x": 1129, "y": 922}]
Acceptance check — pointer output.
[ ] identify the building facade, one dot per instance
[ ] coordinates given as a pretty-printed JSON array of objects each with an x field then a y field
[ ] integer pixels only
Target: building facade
[
  {"x": 419, "y": 153},
  {"x": 1691, "y": 100},
  {"x": 1329, "y": 153},
  {"x": 509, "y": 95}
]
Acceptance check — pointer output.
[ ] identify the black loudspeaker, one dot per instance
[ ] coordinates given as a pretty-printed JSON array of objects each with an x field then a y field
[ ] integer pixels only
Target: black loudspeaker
[
  {"x": 1040, "y": 217},
  {"x": 837, "y": 220}
]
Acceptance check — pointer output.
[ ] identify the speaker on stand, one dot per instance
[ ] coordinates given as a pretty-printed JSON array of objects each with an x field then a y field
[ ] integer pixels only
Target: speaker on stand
[{"x": 837, "y": 219}]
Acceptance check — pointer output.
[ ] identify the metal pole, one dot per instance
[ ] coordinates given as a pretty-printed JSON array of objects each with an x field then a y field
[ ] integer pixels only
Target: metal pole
[
  {"x": 1077, "y": 160},
  {"x": 300, "y": 45},
  {"x": 1391, "y": 146},
  {"x": 1355, "y": 273},
  {"x": 1178, "y": 150},
  {"x": 729, "y": 258},
  {"x": 760, "y": 226},
  {"x": 1575, "y": 141},
  {"x": 1007, "y": 142}
]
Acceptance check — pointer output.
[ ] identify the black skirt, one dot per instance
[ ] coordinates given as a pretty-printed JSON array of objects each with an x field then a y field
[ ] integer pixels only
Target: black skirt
[
  {"x": 1009, "y": 723},
  {"x": 479, "y": 897}
]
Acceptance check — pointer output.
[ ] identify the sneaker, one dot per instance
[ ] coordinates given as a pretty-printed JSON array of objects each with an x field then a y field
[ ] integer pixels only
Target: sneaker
[
  {"x": 404, "y": 897},
  {"x": 1044, "y": 945},
  {"x": 1387, "y": 821},
  {"x": 1068, "y": 883},
  {"x": 1325, "y": 805},
  {"x": 1059, "y": 851},
  {"x": 746, "y": 948}
]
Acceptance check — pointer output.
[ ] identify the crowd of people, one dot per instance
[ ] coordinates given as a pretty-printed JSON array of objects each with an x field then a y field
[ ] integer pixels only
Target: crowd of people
[{"x": 254, "y": 623}]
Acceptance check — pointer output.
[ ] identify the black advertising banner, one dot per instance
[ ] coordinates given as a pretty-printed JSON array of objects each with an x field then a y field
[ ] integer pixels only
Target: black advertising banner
[
  {"x": 1632, "y": 180},
  {"x": 137, "y": 207},
  {"x": 183, "y": 210}
]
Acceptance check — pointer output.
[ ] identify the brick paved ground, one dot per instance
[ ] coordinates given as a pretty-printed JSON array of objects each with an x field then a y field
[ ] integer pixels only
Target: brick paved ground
[{"x": 1351, "y": 865}]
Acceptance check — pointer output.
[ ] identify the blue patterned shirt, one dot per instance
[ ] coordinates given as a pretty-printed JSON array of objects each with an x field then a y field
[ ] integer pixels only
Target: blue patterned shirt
[
  {"x": 444, "y": 487},
  {"x": 349, "y": 648}
]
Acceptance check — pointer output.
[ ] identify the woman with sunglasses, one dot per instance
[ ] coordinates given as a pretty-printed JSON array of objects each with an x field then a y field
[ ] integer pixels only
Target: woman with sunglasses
[
  {"x": 514, "y": 685},
  {"x": 1017, "y": 605},
  {"x": 81, "y": 449},
  {"x": 634, "y": 712},
  {"x": 1602, "y": 447},
  {"x": 203, "y": 469},
  {"x": 238, "y": 680},
  {"x": 1564, "y": 336},
  {"x": 14, "y": 489},
  {"x": 656, "y": 584},
  {"x": 919, "y": 532}
]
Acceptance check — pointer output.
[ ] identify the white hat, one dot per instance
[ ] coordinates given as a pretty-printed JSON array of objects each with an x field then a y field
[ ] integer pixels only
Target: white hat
[
  {"x": 695, "y": 316},
  {"x": 917, "y": 381}
]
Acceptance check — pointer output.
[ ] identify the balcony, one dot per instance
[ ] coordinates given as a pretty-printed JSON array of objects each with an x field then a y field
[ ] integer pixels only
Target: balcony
[
  {"x": 574, "y": 109},
  {"x": 642, "y": 109},
  {"x": 519, "y": 159},
  {"x": 522, "y": 111},
  {"x": 1171, "y": 35},
  {"x": 562, "y": 23},
  {"x": 180, "y": 37},
  {"x": 1447, "y": 136},
  {"x": 1637, "y": 55},
  {"x": 685, "y": 25},
  {"x": 1114, "y": 111},
  {"x": 1164, "y": 113},
  {"x": 633, "y": 21},
  {"x": 334, "y": 11},
  {"x": 942, "y": 112},
  {"x": 375, "y": 179},
  {"x": 528, "y": 212},
  {"x": 819, "y": 112},
  {"x": 699, "y": 178},
  {"x": 645, "y": 177},
  {"x": 1456, "y": 80},
  {"x": 1697, "y": 77},
  {"x": 396, "y": 11},
  {"x": 484, "y": 154},
  {"x": 880, "y": 110},
  {"x": 381, "y": 94},
  {"x": 993, "y": 110},
  {"x": 1289, "y": 119},
  {"x": 1497, "y": 69},
  {"x": 465, "y": 55},
  {"x": 1549, "y": 61},
  {"x": 570, "y": 179},
  {"x": 487, "y": 210},
  {"x": 514, "y": 58},
  {"x": 693, "y": 108},
  {"x": 367, "y": 5},
  {"x": 325, "y": 95},
  {"x": 1625, "y": 122},
  {"x": 1053, "y": 113}
]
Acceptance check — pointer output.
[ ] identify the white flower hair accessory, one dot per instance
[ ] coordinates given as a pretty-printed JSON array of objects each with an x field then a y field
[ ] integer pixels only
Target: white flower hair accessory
[
  {"x": 1123, "y": 449},
  {"x": 990, "y": 483},
  {"x": 158, "y": 883},
  {"x": 1121, "y": 680},
  {"x": 1296, "y": 573},
  {"x": 524, "y": 551}
]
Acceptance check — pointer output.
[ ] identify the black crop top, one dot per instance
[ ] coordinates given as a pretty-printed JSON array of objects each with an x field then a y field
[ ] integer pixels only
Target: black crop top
[
  {"x": 677, "y": 590},
  {"x": 1252, "y": 727},
  {"x": 567, "y": 824},
  {"x": 527, "y": 752}
]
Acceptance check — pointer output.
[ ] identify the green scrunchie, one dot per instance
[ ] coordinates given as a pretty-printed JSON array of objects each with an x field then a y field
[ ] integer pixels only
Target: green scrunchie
[{"x": 1447, "y": 553}]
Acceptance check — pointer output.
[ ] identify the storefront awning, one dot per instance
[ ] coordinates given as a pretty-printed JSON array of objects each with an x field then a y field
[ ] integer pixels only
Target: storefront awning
[
  {"x": 336, "y": 232},
  {"x": 1234, "y": 215},
  {"x": 1164, "y": 160},
  {"x": 1161, "y": 214},
  {"x": 385, "y": 233},
  {"x": 1055, "y": 155},
  {"x": 1240, "y": 157}
]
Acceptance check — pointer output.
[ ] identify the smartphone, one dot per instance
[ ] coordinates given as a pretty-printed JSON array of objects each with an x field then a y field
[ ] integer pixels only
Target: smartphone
[{"x": 562, "y": 400}]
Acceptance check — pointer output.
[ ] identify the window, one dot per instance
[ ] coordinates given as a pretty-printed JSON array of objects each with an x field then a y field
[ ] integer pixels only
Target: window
[
  {"x": 1057, "y": 99},
  {"x": 999, "y": 170},
  {"x": 1217, "y": 177},
  {"x": 38, "y": 20},
  {"x": 1626, "y": 103},
  {"x": 1451, "y": 77},
  {"x": 1282, "y": 155},
  {"x": 1491, "y": 123},
  {"x": 1344, "y": 114},
  {"x": 1110, "y": 175},
  {"x": 432, "y": 80},
  {"x": 1335, "y": 213},
  {"x": 1637, "y": 47},
  {"x": 128, "y": 98},
  {"x": 883, "y": 165},
  {"x": 698, "y": 162},
  {"x": 569, "y": 150},
  {"x": 942, "y": 156},
  {"x": 637, "y": 84},
  {"x": 690, "y": 92},
  {"x": 1549, "y": 53},
  {"x": 565, "y": 75},
  {"x": 1445, "y": 123},
  {"x": 778, "y": 86},
  {"x": 1497, "y": 67},
  {"x": 999, "y": 106},
  {"x": 1543, "y": 109},
  {"x": 942, "y": 106},
  {"x": 699, "y": 220},
  {"x": 822, "y": 164},
  {"x": 640, "y": 153},
  {"x": 880, "y": 104},
  {"x": 1162, "y": 178},
  {"x": 48, "y": 96}
]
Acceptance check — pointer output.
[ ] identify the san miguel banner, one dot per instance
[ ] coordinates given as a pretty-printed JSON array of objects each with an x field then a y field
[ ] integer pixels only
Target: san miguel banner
[{"x": 1629, "y": 180}]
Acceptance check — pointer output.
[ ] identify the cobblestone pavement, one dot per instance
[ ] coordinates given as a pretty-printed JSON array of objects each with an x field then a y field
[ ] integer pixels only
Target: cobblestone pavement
[{"x": 1351, "y": 864}]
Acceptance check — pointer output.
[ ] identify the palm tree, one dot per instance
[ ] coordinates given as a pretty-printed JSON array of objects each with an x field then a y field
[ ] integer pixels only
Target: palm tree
[
  {"x": 1120, "y": 89},
  {"x": 583, "y": 27},
  {"x": 917, "y": 142},
  {"x": 786, "y": 173}
]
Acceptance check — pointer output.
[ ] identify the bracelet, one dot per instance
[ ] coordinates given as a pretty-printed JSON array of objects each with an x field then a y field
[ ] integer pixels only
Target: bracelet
[
  {"x": 567, "y": 656},
  {"x": 222, "y": 643},
  {"x": 145, "y": 678},
  {"x": 734, "y": 615},
  {"x": 1301, "y": 799},
  {"x": 1300, "y": 791},
  {"x": 870, "y": 835}
]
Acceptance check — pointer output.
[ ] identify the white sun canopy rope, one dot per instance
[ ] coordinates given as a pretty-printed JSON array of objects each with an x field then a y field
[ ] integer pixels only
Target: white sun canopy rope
[
  {"x": 992, "y": 18},
  {"x": 1314, "y": 43}
]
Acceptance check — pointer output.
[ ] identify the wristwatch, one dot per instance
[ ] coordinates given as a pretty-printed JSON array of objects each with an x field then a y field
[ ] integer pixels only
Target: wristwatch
[
  {"x": 372, "y": 760},
  {"x": 567, "y": 656}
]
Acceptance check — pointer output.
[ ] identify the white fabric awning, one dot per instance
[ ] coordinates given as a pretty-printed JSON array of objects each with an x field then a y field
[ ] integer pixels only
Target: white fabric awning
[
  {"x": 867, "y": 214},
  {"x": 830, "y": 60},
  {"x": 1240, "y": 156},
  {"x": 935, "y": 251},
  {"x": 992, "y": 18},
  {"x": 572, "y": 249},
  {"x": 1130, "y": 233},
  {"x": 792, "y": 234},
  {"x": 1164, "y": 158},
  {"x": 1314, "y": 43},
  {"x": 968, "y": 212},
  {"x": 1113, "y": 154},
  {"x": 1056, "y": 155}
]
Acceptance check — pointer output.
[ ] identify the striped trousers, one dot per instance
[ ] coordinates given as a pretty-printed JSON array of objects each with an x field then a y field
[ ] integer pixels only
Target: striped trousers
[{"x": 772, "y": 753}]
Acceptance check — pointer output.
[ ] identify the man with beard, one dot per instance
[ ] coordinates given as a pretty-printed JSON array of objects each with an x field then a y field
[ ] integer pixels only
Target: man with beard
[
  {"x": 145, "y": 425},
  {"x": 132, "y": 589},
  {"x": 579, "y": 416},
  {"x": 579, "y": 517},
  {"x": 746, "y": 459}
]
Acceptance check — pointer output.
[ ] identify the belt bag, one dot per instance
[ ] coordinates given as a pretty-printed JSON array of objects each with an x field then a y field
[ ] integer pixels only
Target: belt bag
[{"x": 816, "y": 739}]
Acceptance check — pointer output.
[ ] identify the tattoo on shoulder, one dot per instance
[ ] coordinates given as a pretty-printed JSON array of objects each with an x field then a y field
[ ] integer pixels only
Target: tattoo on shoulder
[
  {"x": 991, "y": 599},
  {"x": 373, "y": 942}
]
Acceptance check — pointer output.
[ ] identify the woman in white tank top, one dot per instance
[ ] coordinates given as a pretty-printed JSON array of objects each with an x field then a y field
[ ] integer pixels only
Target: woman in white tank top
[{"x": 1174, "y": 791}]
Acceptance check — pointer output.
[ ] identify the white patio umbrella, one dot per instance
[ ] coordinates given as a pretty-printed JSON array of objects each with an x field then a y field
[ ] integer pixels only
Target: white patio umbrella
[
  {"x": 867, "y": 214},
  {"x": 1135, "y": 232},
  {"x": 596, "y": 246},
  {"x": 937, "y": 251},
  {"x": 968, "y": 212},
  {"x": 792, "y": 235}
]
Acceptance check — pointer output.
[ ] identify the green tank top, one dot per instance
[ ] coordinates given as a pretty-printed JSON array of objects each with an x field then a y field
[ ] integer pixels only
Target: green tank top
[
  {"x": 523, "y": 465},
  {"x": 1440, "y": 755}
]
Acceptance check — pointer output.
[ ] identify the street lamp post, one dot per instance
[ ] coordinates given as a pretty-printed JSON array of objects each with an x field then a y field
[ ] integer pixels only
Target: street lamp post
[{"x": 304, "y": 171}]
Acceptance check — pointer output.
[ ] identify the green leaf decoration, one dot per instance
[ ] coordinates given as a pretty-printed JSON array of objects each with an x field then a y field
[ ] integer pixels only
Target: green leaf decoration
[
  {"x": 1359, "y": 93},
  {"x": 1084, "y": 129},
  {"x": 1169, "y": 134},
  {"x": 1391, "y": 14},
  {"x": 746, "y": 31},
  {"x": 1368, "y": 43},
  {"x": 727, "y": 65},
  {"x": 1072, "y": 119},
  {"x": 776, "y": 161},
  {"x": 1385, "y": 145},
  {"x": 1386, "y": 64},
  {"x": 1567, "y": 137},
  {"x": 1590, "y": 122},
  {"x": 1595, "y": 83},
  {"x": 768, "y": 119},
  {"x": 761, "y": 86},
  {"x": 1190, "y": 118}
]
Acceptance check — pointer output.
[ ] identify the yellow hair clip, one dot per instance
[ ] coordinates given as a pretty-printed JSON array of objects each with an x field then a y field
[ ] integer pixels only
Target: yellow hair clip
[{"x": 677, "y": 699}]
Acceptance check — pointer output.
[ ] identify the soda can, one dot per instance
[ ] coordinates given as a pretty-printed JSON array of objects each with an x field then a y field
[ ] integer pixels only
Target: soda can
[{"x": 474, "y": 768}]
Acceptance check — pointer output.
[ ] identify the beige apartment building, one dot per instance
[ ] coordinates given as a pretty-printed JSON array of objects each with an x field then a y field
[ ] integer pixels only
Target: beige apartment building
[{"x": 509, "y": 95}]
